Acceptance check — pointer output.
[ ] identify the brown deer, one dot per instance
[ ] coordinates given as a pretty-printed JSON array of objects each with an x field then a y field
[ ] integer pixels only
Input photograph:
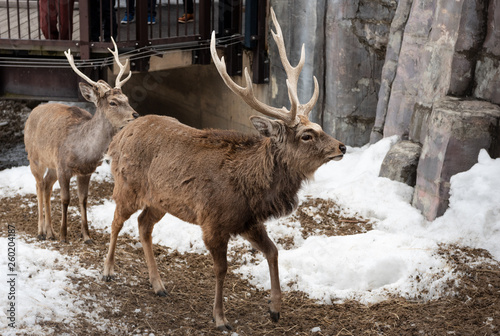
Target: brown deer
[
  {"x": 227, "y": 182},
  {"x": 62, "y": 141}
]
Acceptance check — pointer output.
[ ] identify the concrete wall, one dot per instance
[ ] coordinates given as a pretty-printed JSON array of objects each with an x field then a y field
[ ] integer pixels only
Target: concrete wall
[{"x": 195, "y": 94}]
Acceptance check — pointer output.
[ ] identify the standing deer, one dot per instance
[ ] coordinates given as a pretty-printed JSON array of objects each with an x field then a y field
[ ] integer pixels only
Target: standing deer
[
  {"x": 227, "y": 182},
  {"x": 62, "y": 141}
]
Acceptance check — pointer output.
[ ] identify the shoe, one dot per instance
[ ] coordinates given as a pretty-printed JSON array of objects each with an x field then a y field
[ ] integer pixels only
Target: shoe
[
  {"x": 186, "y": 18},
  {"x": 151, "y": 20},
  {"x": 128, "y": 18}
]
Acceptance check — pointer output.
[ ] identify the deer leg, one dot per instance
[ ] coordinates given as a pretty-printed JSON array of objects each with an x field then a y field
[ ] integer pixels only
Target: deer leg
[
  {"x": 259, "y": 239},
  {"x": 119, "y": 218},
  {"x": 65, "y": 198},
  {"x": 48, "y": 182},
  {"x": 83, "y": 191},
  {"x": 218, "y": 249},
  {"x": 40, "y": 197},
  {"x": 147, "y": 219}
]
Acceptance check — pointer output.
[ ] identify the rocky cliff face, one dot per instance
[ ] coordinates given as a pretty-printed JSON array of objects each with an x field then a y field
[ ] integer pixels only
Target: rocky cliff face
[
  {"x": 389, "y": 68},
  {"x": 448, "y": 47},
  {"x": 345, "y": 44},
  {"x": 379, "y": 61}
]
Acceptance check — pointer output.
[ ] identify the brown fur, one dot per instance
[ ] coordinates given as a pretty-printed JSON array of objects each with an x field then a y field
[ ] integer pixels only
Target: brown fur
[
  {"x": 227, "y": 182},
  {"x": 63, "y": 141}
]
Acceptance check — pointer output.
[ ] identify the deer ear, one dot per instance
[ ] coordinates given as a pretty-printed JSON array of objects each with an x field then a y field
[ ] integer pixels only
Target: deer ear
[
  {"x": 88, "y": 92},
  {"x": 265, "y": 126}
]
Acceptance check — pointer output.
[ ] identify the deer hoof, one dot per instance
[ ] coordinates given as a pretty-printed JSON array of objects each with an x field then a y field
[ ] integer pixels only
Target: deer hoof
[
  {"x": 275, "y": 316},
  {"x": 225, "y": 327},
  {"x": 89, "y": 241},
  {"x": 41, "y": 237},
  {"x": 162, "y": 293},
  {"x": 108, "y": 278}
]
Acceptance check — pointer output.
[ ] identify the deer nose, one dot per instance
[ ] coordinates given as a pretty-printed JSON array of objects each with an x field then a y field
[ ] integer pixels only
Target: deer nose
[
  {"x": 342, "y": 148},
  {"x": 135, "y": 115}
]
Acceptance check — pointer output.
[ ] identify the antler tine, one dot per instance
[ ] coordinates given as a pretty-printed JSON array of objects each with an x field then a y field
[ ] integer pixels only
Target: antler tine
[
  {"x": 118, "y": 82},
  {"x": 101, "y": 87},
  {"x": 71, "y": 61},
  {"x": 246, "y": 93},
  {"x": 305, "y": 109},
  {"x": 292, "y": 72}
]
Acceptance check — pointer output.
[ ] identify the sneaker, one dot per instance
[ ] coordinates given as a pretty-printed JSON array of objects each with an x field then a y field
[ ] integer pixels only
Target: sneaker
[
  {"x": 151, "y": 20},
  {"x": 186, "y": 18},
  {"x": 128, "y": 18}
]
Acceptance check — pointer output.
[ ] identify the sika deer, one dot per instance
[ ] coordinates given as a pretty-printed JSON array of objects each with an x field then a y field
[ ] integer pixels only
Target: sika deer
[
  {"x": 62, "y": 141},
  {"x": 227, "y": 182}
]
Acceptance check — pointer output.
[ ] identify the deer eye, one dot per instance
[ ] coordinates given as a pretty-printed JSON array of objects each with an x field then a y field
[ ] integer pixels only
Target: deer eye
[
  {"x": 306, "y": 137},
  {"x": 113, "y": 103}
]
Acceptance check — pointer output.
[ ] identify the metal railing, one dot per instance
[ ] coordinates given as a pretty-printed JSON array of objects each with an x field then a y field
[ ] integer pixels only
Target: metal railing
[
  {"x": 85, "y": 26},
  {"x": 33, "y": 37}
]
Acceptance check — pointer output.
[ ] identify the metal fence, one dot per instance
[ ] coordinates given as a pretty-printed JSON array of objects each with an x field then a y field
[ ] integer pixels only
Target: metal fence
[
  {"x": 34, "y": 34},
  {"x": 86, "y": 26}
]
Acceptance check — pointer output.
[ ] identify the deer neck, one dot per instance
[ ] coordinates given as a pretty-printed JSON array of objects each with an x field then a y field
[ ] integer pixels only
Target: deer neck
[
  {"x": 269, "y": 183},
  {"x": 91, "y": 140}
]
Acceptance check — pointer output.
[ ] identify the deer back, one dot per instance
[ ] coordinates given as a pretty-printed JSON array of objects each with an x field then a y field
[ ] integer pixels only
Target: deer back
[{"x": 190, "y": 173}]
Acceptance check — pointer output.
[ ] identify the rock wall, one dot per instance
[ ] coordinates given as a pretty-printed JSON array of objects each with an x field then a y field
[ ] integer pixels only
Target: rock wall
[
  {"x": 445, "y": 48},
  {"x": 457, "y": 130},
  {"x": 378, "y": 62},
  {"x": 449, "y": 47},
  {"x": 345, "y": 49}
]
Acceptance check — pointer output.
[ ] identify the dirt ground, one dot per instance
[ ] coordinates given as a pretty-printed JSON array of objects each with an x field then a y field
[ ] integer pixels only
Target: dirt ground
[{"x": 130, "y": 306}]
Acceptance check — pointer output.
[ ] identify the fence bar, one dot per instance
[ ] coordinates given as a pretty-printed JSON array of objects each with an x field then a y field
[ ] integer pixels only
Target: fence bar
[
  {"x": 202, "y": 56},
  {"x": 84, "y": 43}
]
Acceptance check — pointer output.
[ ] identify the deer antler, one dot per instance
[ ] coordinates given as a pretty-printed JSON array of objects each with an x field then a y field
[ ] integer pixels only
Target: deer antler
[
  {"x": 119, "y": 82},
  {"x": 293, "y": 72},
  {"x": 247, "y": 94},
  {"x": 102, "y": 87}
]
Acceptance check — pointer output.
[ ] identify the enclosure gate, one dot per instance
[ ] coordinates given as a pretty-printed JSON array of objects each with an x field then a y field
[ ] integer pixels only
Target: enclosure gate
[{"x": 35, "y": 33}]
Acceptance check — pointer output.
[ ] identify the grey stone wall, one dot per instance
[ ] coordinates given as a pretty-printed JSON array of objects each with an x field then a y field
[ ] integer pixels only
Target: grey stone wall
[
  {"x": 345, "y": 49},
  {"x": 449, "y": 47}
]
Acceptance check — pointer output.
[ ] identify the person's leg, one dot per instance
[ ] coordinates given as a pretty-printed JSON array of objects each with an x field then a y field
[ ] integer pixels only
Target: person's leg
[
  {"x": 114, "y": 22},
  {"x": 48, "y": 19},
  {"x": 109, "y": 24},
  {"x": 188, "y": 12},
  {"x": 95, "y": 20},
  {"x": 131, "y": 7},
  {"x": 65, "y": 9},
  {"x": 129, "y": 15},
  {"x": 152, "y": 8}
]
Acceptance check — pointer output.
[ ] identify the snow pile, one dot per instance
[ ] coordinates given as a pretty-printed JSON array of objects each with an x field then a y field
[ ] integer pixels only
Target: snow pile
[
  {"x": 43, "y": 291},
  {"x": 399, "y": 256},
  {"x": 473, "y": 217},
  {"x": 17, "y": 181}
]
